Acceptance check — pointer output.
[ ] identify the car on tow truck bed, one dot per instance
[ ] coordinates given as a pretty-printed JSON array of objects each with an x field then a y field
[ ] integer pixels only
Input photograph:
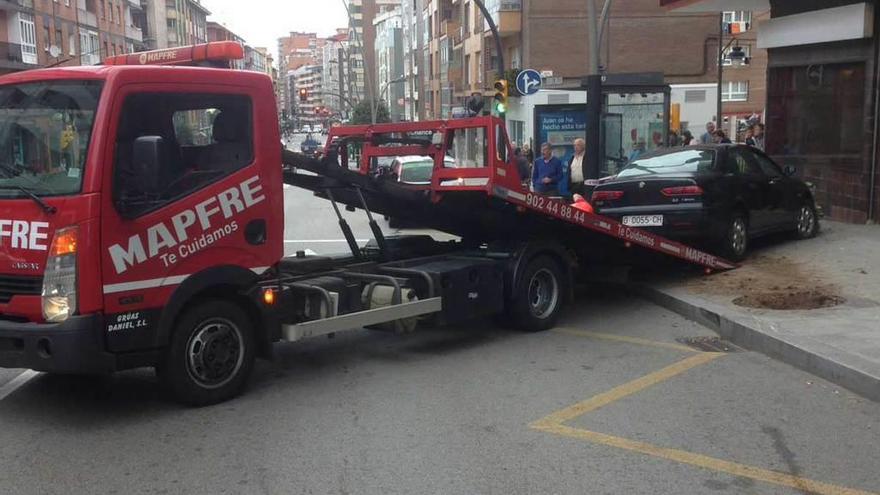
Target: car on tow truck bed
[{"x": 725, "y": 194}]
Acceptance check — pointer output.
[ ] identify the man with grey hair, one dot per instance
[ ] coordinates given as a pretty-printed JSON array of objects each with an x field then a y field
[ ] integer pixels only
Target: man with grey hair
[{"x": 576, "y": 167}]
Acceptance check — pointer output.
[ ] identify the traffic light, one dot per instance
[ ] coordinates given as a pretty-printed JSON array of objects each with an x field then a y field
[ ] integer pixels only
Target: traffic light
[
  {"x": 303, "y": 95},
  {"x": 502, "y": 92}
]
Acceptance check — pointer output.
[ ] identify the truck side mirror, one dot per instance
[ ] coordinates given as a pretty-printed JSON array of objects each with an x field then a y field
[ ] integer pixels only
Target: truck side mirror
[
  {"x": 137, "y": 180},
  {"x": 146, "y": 162}
]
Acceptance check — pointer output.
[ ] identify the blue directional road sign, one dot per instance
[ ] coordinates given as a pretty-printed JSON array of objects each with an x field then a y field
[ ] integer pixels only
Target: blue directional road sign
[{"x": 528, "y": 82}]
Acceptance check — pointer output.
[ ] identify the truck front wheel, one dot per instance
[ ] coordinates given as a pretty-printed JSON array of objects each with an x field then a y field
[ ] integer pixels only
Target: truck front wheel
[
  {"x": 538, "y": 296},
  {"x": 211, "y": 354}
]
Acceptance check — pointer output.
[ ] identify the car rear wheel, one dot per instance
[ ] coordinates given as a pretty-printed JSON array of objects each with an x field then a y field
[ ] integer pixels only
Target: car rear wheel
[
  {"x": 807, "y": 222},
  {"x": 735, "y": 244}
]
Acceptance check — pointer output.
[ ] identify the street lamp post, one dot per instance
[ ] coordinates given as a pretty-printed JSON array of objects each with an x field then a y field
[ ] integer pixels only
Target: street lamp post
[{"x": 388, "y": 85}]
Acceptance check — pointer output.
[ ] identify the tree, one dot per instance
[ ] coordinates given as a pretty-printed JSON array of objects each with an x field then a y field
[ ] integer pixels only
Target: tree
[{"x": 363, "y": 113}]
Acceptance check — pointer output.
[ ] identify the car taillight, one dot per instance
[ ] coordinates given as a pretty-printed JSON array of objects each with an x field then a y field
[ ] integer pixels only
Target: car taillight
[
  {"x": 59, "y": 277},
  {"x": 606, "y": 195},
  {"x": 682, "y": 191}
]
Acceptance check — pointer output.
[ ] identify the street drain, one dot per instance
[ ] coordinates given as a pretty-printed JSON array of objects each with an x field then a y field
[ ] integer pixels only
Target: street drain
[{"x": 708, "y": 344}]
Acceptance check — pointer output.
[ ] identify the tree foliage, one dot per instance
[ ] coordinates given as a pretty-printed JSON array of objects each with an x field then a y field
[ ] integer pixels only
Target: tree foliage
[{"x": 362, "y": 113}]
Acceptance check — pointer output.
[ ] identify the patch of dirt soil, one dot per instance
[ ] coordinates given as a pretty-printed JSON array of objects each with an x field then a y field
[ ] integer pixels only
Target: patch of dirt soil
[
  {"x": 812, "y": 299},
  {"x": 771, "y": 282}
]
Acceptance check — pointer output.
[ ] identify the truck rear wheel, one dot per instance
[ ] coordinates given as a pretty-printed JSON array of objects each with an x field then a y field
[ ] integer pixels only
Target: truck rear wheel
[
  {"x": 538, "y": 296},
  {"x": 211, "y": 354}
]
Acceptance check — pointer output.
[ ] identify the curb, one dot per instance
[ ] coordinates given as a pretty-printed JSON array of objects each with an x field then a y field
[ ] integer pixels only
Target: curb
[{"x": 798, "y": 354}]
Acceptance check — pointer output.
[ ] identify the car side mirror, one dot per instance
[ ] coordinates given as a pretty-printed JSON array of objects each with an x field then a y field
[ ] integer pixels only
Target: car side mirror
[{"x": 789, "y": 170}]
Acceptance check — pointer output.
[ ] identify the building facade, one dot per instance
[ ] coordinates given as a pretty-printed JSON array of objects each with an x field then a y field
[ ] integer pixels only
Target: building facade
[
  {"x": 460, "y": 59},
  {"x": 38, "y": 33},
  {"x": 310, "y": 79},
  {"x": 294, "y": 51},
  {"x": 335, "y": 65},
  {"x": 389, "y": 59},
  {"x": 172, "y": 23}
]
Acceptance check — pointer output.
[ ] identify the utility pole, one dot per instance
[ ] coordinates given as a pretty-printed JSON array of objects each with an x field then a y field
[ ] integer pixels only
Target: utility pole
[
  {"x": 594, "y": 91},
  {"x": 720, "y": 70},
  {"x": 339, "y": 55}
]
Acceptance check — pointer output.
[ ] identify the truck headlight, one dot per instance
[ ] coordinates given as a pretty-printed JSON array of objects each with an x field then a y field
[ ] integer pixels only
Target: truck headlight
[{"x": 59, "y": 278}]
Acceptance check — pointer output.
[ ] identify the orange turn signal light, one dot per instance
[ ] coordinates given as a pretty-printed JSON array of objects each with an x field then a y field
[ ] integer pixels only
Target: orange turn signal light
[
  {"x": 65, "y": 242},
  {"x": 269, "y": 296}
]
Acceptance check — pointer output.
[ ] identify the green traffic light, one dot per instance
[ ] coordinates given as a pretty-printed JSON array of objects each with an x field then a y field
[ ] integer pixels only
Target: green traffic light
[{"x": 500, "y": 108}]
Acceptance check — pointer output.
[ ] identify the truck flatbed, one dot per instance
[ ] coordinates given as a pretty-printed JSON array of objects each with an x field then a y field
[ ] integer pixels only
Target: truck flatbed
[{"x": 484, "y": 204}]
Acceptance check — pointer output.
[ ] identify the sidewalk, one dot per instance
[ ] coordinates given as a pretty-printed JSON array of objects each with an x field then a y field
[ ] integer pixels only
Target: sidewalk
[{"x": 765, "y": 305}]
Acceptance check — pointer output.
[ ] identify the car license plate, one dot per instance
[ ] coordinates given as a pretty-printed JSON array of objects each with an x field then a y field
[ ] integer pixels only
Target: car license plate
[{"x": 643, "y": 220}]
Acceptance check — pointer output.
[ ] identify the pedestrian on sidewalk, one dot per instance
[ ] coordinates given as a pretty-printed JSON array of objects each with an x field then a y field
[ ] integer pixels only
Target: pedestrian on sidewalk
[
  {"x": 528, "y": 153},
  {"x": 638, "y": 149},
  {"x": 757, "y": 137},
  {"x": 710, "y": 131},
  {"x": 719, "y": 137},
  {"x": 688, "y": 139},
  {"x": 522, "y": 165},
  {"x": 547, "y": 172},
  {"x": 576, "y": 167}
]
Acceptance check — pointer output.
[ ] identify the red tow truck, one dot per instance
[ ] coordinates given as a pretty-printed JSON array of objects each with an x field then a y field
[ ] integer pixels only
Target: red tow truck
[{"x": 142, "y": 219}]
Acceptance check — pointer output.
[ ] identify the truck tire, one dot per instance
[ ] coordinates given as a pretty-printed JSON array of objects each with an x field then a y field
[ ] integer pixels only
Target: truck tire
[
  {"x": 538, "y": 296},
  {"x": 211, "y": 355}
]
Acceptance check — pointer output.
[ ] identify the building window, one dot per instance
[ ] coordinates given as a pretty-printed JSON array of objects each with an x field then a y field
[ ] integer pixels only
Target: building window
[
  {"x": 735, "y": 91},
  {"x": 479, "y": 56},
  {"x": 28, "y": 38},
  {"x": 737, "y": 16},
  {"x": 71, "y": 43},
  {"x": 467, "y": 71},
  {"x": 747, "y": 51},
  {"x": 695, "y": 96},
  {"x": 46, "y": 41},
  {"x": 466, "y": 25}
]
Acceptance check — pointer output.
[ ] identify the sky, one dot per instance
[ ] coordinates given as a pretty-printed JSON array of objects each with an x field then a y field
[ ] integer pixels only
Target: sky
[{"x": 262, "y": 22}]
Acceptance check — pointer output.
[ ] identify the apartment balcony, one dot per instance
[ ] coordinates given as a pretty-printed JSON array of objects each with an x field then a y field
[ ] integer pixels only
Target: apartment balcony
[
  {"x": 15, "y": 5},
  {"x": 11, "y": 57},
  {"x": 134, "y": 33},
  {"x": 507, "y": 15},
  {"x": 87, "y": 18}
]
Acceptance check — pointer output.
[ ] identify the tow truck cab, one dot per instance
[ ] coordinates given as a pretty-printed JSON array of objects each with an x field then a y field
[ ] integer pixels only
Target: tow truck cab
[{"x": 128, "y": 192}]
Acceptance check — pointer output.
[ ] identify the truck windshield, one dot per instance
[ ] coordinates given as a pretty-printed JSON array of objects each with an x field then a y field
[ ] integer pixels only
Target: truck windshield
[{"x": 45, "y": 129}]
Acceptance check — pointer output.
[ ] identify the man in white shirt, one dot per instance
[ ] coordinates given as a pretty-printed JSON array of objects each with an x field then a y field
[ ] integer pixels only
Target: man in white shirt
[{"x": 576, "y": 167}]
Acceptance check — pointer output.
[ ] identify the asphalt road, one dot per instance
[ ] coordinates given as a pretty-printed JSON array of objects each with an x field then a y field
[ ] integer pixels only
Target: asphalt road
[{"x": 609, "y": 403}]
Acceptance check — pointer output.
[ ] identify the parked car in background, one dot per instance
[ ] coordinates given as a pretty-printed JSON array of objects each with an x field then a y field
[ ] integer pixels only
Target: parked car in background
[
  {"x": 414, "y": 170},
  {"x": 725, "y": 194}
]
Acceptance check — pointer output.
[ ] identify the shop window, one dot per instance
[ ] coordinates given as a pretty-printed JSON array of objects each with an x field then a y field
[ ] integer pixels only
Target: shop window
[{"x": 816, "y": 110}]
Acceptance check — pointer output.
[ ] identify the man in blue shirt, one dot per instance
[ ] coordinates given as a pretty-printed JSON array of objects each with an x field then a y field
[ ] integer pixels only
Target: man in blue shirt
[{"x": 547, "y": 172}]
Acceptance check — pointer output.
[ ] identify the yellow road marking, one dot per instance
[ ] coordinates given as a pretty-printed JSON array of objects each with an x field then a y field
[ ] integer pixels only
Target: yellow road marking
[
  {"x": 703, "y": 461},
  {"x": 625, "y": 390},
  {"x": 553, "y": 423},
  {"x": 625, "y": 339}
]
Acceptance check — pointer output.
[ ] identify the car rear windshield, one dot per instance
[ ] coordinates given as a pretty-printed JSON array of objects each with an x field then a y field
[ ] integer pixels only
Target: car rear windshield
[
  {"x": 45, "y": 129},
  {"x": 685, "y": 161},
  {"x": 417, "y": 172}
]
